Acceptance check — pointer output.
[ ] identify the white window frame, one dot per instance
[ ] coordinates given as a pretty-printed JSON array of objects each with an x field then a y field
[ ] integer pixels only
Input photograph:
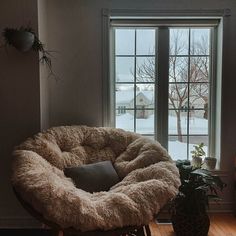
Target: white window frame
[{"x": 162, "y": 19}]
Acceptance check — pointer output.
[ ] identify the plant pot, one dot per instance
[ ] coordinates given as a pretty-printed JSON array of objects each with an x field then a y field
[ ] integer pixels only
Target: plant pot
[
  {"x": 196, "y": 161},
  {"x": 210, "y": 163},
  {"x": 22, "y": 40},
  {"x": 190, "y": 224}
]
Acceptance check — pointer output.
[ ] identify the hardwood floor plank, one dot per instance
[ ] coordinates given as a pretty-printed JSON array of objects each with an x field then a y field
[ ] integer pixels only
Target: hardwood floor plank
[{"x": 221, "y": 225}]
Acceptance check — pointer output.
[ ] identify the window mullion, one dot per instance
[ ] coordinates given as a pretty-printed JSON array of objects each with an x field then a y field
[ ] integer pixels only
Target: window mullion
[
  {"x": 135, "y": 79},
  {"x": 107, "y": 36},
  {"x": 112, "y": 102},
  {"x": 188, "y": 89},
  {"x": 162, "y": 85},
  {"x": 212, "y": 98}
]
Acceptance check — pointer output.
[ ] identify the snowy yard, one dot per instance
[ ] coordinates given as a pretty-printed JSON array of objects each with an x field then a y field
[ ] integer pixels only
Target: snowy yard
[{"x": 177, "y": 150}]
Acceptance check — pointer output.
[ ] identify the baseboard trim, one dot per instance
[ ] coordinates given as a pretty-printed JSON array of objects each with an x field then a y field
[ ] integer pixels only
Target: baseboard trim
[
  {"x": 18, "y": 223},
  {"x": 222, "y": 207},
  {"x": 31, "y": 223}
]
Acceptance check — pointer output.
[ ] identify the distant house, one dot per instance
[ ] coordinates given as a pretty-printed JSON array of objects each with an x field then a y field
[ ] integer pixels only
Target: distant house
[
  {"x": 196, "y": 106},
  {"x": 145, "y": 105},
  {"x": 125, "y": 101}
]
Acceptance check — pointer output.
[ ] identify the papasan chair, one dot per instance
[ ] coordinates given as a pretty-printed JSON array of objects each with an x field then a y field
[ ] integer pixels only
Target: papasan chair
[{"x": 148, "y": 179}]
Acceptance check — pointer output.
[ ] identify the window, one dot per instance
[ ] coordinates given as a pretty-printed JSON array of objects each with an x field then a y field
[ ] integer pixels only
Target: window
[
  {"x": 121, "y": 110},
  {"x": 164, "y": 73}
]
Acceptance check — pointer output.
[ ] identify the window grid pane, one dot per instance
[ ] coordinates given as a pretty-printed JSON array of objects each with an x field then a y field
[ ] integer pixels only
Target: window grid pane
[
  {"x": 189, "y": 85},
  {"x": 135, "y": 93},
  {"x": 188, "y": 91}
]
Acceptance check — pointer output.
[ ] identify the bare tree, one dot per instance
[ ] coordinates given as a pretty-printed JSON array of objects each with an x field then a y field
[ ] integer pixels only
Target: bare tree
[{"x": 188, "y": 76}]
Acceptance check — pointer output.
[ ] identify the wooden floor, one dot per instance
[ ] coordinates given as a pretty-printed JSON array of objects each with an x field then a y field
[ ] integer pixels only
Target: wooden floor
[{"x": 221, "y": 225}]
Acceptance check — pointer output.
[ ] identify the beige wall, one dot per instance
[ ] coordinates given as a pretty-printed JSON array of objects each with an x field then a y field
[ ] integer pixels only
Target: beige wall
[
  {"x": 19, "y": 99},
  {"x": 76, "y": 31},
  {"x": 43, "y": 70},
  {"x": 73, "y": 28}
]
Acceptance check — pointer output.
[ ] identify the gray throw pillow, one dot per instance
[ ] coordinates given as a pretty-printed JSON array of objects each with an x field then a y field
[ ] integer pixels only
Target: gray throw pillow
[{"x": 96, "y": 177}]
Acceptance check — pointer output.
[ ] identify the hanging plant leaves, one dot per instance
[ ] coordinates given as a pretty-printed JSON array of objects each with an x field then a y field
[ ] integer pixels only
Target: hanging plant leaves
[{"x": 25, "y": 39}]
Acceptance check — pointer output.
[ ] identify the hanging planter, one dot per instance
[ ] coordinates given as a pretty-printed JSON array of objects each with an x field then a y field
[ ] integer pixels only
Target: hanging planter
[
  {"x": 24, "y": 39},
  {"x": 21, "y": 39}
]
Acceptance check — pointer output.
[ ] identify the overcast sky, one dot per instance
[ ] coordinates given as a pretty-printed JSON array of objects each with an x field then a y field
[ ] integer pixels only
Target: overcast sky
[{"x": 125, "y": 45}]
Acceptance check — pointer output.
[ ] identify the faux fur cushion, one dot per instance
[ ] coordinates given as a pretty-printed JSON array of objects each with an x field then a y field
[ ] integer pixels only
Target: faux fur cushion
[
  {"x": 96, "y": 177},
  {"x": 149, "y": 177}
]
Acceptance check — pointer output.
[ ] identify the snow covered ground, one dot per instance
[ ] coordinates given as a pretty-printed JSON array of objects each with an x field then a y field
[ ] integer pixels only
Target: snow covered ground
[{"x": 177, "y": 150}]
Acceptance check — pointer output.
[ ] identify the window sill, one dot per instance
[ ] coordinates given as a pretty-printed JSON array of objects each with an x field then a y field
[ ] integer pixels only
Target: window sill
[{"x": 220, "y": 172}]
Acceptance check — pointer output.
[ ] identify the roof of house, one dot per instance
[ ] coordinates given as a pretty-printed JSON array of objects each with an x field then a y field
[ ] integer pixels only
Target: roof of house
[{"x": 126, "y": 96}]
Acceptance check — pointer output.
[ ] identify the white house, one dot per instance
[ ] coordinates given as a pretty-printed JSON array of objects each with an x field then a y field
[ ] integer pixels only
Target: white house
[
  {"x": 125, "y": 101},
  {"x": 145, "y": 104}
]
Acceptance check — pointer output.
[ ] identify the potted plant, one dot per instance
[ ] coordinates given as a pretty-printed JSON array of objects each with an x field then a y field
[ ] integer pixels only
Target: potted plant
[
  {"x": 198, "y": 186},
  {"x": 197, "y": 155},
  {"x": 25, "y": 39},
  {"x": 210, "y": 162}
]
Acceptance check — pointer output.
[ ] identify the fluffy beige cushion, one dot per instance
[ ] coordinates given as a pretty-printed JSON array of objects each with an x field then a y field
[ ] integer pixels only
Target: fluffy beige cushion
[{"x": 149, "y": 178}]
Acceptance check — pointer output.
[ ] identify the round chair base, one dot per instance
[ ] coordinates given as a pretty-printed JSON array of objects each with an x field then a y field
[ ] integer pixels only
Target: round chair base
[{"x": 125, "y": 231}]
